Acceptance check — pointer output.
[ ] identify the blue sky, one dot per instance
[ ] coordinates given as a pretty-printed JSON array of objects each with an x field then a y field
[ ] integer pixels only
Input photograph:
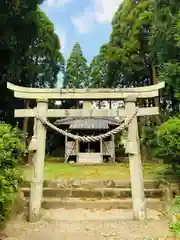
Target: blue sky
[{"x": 85, "y": 21}]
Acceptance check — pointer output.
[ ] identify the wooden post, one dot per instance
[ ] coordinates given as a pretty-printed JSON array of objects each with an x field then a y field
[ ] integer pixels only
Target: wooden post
[
  {"x": 65, "y": 150},
  {"x": 38, "y": 164},
  {"x": 77, "y": 150},
  {"x": 133, "y": 149},
  {"x": 101, "y": 146},
  {"x": 113, "y": 148},
  {"x": 78, "y": 146},
  {"x": 101, "y": 150}
]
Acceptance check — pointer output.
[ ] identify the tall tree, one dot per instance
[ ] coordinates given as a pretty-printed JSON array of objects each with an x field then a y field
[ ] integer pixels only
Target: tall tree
[
  {"x": 98, "y": 69},
  {"x": 44, "y": 60},
  {"x": 126, "y": 58},
  {"x": 18, "y": 25},
  {"x": 128, "y": 53},
  {"x": 165, "y": 49},
  {"x": 19, "y": 28},
  {"x": 76, "y": 75},
  {"x": 29, "y": 51}
]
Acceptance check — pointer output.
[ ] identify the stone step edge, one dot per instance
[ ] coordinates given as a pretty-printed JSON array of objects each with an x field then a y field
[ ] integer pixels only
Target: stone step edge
[
  {"x": 93, "y": 189},
  {"x": 93, "y": 193},
  {"x": 74, "y": 203},
  {"x": 62, "y": 183},
  {"x": 100, "y": 200}
]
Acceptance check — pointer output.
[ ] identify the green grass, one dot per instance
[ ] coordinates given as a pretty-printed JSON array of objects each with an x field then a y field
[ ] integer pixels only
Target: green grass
[{"x": 54, "y": 171}]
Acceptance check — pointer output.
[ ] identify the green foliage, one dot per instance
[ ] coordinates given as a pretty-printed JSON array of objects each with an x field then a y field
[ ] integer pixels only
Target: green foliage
[
  {"x": 149, "y": 140},
  {"x": 176, "y": 228},
  {"x": 167, "y": 174},
  {"x": 177, "y": 27},
  {"x": 175, "y": 208},
  {"x": 168, "y": 137},
  {"x": 11, "y": 152},
  {"x": 18, "y": 23},
  {"x": 170, "y": 73},
  {"x": 43, "y": 60},
  {"x": 128, "y": 57},
  {"x": 168, "y": 147},
  {"x": 162, "y": 40},
  {"x": 144, "y": 47},
  {"x": 98, "y": 70},
  {"x": 164, "y": 44},
  {"x": 29, "y": 51},
  {"x": 76, "y": 75}
]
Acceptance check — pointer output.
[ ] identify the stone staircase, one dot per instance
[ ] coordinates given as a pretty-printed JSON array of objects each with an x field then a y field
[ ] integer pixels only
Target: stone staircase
[{"x": 94, "y": 194}]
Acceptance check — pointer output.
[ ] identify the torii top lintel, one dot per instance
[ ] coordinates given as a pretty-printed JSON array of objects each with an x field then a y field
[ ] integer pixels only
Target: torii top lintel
[{"x": 85, "y": 94}]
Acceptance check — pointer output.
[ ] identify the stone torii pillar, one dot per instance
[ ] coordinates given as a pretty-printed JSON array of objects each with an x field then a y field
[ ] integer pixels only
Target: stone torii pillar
[
  {"x": 38, "y": 163},
  {"x": 133, "y": 149}
]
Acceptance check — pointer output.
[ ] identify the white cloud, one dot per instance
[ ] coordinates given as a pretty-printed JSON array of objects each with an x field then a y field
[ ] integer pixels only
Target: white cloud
[
  {"x": 105, "y": 9},
  {"x": 56, "y": 3},
  {"x": 100, "y": 11},
  {"x": 85, "y": 22}
]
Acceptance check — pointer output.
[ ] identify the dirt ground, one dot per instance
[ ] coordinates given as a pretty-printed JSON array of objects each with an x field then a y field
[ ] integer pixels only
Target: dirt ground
[{"x": 88, "y": 225}]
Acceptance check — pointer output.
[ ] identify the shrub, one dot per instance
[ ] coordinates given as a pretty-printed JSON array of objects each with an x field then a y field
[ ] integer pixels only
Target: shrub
[
  {"x": 167, "y": 173},
  {"x": 149, "y": 141},
  {"x": 168, "y": 142},
  {"x": 168, "y": 138},
  {"x": 175, "y": 210},
  {"x": 12, "y": 150},
  {"x": 166, "y": 145}
]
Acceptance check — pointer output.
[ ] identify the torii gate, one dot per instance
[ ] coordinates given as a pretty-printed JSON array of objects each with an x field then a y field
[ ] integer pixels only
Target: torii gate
[{"x": 129, "y": 95}]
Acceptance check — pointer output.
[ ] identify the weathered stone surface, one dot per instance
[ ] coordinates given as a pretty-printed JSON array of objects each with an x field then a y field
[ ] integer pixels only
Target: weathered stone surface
[
  {"x": 93, "y": 193},
  {"x": 93, "y": 184},
  {"x": 18, "y": 205},
  {"x": 89, "y": 225},
  {"x": 73, "y": 203},
  {"x": 110, "y": 183}
]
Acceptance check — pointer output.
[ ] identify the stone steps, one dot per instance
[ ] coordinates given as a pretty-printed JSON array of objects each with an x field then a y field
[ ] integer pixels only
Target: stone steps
[
  {"x": 100, "y": 193},
  {"x": 94, "y": 194},
  {"x": 88, "y": 203},
  {"x": 89, "y": 184}
]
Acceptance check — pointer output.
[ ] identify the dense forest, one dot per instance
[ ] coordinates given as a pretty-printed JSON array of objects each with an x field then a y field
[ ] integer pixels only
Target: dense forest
[
  {"x": 29, "y": 51},
  {"x": 143, "y": 49}
]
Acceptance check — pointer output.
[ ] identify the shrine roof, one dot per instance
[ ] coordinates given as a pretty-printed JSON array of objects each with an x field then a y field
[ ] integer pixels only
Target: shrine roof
[{"x": 88, "y": 123}]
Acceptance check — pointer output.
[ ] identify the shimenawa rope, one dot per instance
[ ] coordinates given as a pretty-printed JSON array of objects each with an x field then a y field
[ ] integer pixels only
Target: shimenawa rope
[{"x": 89, "y": 138}]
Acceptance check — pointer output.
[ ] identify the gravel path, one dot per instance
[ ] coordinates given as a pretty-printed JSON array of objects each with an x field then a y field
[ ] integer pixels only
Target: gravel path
[{"x": 89, "y": 225}]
